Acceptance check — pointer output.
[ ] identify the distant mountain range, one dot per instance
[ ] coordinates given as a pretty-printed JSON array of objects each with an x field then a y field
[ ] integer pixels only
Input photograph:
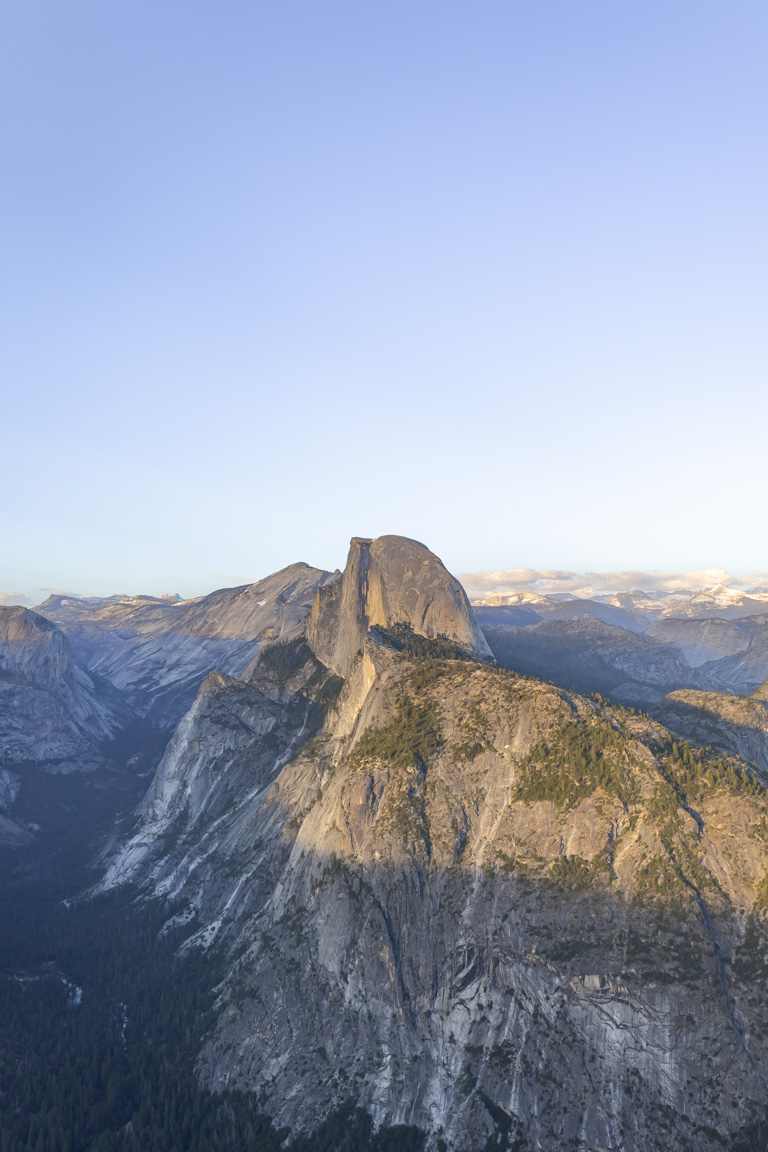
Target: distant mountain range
[
  {"x": 719, "y": 600},
  {"x": 712, "y": 640}
]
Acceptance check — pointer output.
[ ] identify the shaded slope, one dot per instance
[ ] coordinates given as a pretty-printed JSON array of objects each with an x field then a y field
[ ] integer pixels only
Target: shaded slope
[
  {"x": 157, "y": 651},
  {"x": 736, "y": 724},
  {"x": 590, "y": 656},
  {"x": 54, "y": 716}
]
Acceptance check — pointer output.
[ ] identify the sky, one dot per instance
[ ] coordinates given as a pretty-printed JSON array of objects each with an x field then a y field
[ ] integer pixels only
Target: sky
[{"x": 492, "y": 276}]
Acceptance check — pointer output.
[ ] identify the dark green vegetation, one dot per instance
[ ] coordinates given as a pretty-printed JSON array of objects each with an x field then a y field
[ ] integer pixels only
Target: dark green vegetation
[
  {"x": 113, "y": 1072},
  {"x": 402, "y": 638},
  {"x": 592, "y": 755},
  {"x": 582, "y": 759},
  {"x": 692, "y": 773},
  {"x": 410, "y": 737},
  {"x": 287, "y": 657}
]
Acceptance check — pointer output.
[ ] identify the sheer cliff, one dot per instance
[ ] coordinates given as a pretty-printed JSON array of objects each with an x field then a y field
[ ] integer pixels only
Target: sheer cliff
[{"x": 390, "y": 580}]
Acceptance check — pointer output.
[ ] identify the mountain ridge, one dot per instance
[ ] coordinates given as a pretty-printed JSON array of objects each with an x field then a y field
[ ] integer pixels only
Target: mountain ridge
[{"x": 382, "y": 854}]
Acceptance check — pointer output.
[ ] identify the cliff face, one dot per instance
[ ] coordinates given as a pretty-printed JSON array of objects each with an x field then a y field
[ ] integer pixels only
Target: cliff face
[
  {"x": 50, "y": 710},
  {"x": 386, "y": 582},
  {"x": 469, "y": 901},
  {"x": 52, "y": 715}
]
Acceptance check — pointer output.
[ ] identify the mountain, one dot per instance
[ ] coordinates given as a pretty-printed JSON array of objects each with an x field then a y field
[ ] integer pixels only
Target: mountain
[
  {"x": 516, "y": 600},
  {"x": 733, "y": 653},
  {"x": 727, "y": 603},
  {"x": 506, "y": 615},
  {"x": 146, "y": 658},
  {"x": 279, "y": 702},
  {"x": 391, "y": 580},
  {"x": 719, "y": 600},
  {"x": 588, "y": 655},
  {"x": 51, "y": 710},
  {"x": 463, "y": 899},
  {"x": 53, "y": 715},
  {"x": 156, "y": 651},
  {"x": 575, "y": 609},
  {"x": 649, "y": 604},
  {"x": 527, "y": 608},
  {"x": 710, "y": 638}
]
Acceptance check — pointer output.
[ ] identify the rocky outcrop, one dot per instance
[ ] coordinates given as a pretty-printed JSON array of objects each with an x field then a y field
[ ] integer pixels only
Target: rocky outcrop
[
  {"x": 157, "y": 651},
  {"x": 736, "y": 724},
  {"x": 390, "y": 581}
]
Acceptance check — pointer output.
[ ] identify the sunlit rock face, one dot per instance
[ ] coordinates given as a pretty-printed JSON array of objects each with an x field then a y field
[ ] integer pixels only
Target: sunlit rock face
[
  {"x": 468, "y": 900},
  {"x": 387, "y": 581}
]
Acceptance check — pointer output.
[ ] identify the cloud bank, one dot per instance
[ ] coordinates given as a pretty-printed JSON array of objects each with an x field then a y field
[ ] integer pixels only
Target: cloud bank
[{"x": 547, "y": 581}]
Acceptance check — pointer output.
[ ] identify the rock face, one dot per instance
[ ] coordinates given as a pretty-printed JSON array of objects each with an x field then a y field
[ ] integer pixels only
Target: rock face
[
  {"x": 50, "y": 710},
  {"x": 386, "y": 582},
  {"x": 736, "y": 724},
  {"x": 224, "y": 755},
  {"x": 53, "y": 716},
  {"x": 707, "y": 639},
  {"x": 467, "y": 900},
  {"x": 156, "y": 652}
]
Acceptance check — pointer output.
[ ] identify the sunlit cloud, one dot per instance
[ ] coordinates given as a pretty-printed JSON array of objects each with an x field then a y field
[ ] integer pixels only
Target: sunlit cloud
[{"x": 8, "y": 599}]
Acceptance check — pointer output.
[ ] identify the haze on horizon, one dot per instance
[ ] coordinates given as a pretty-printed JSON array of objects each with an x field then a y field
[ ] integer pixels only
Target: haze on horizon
[{"x": 277, "y": 275}]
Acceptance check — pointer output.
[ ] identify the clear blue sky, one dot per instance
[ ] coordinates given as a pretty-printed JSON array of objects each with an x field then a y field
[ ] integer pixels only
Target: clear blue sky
[{"x": 492, "y": 275}]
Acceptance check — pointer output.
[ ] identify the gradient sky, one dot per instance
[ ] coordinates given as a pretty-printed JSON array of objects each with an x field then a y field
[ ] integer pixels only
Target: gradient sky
[{"x": 490, "y": 275}]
